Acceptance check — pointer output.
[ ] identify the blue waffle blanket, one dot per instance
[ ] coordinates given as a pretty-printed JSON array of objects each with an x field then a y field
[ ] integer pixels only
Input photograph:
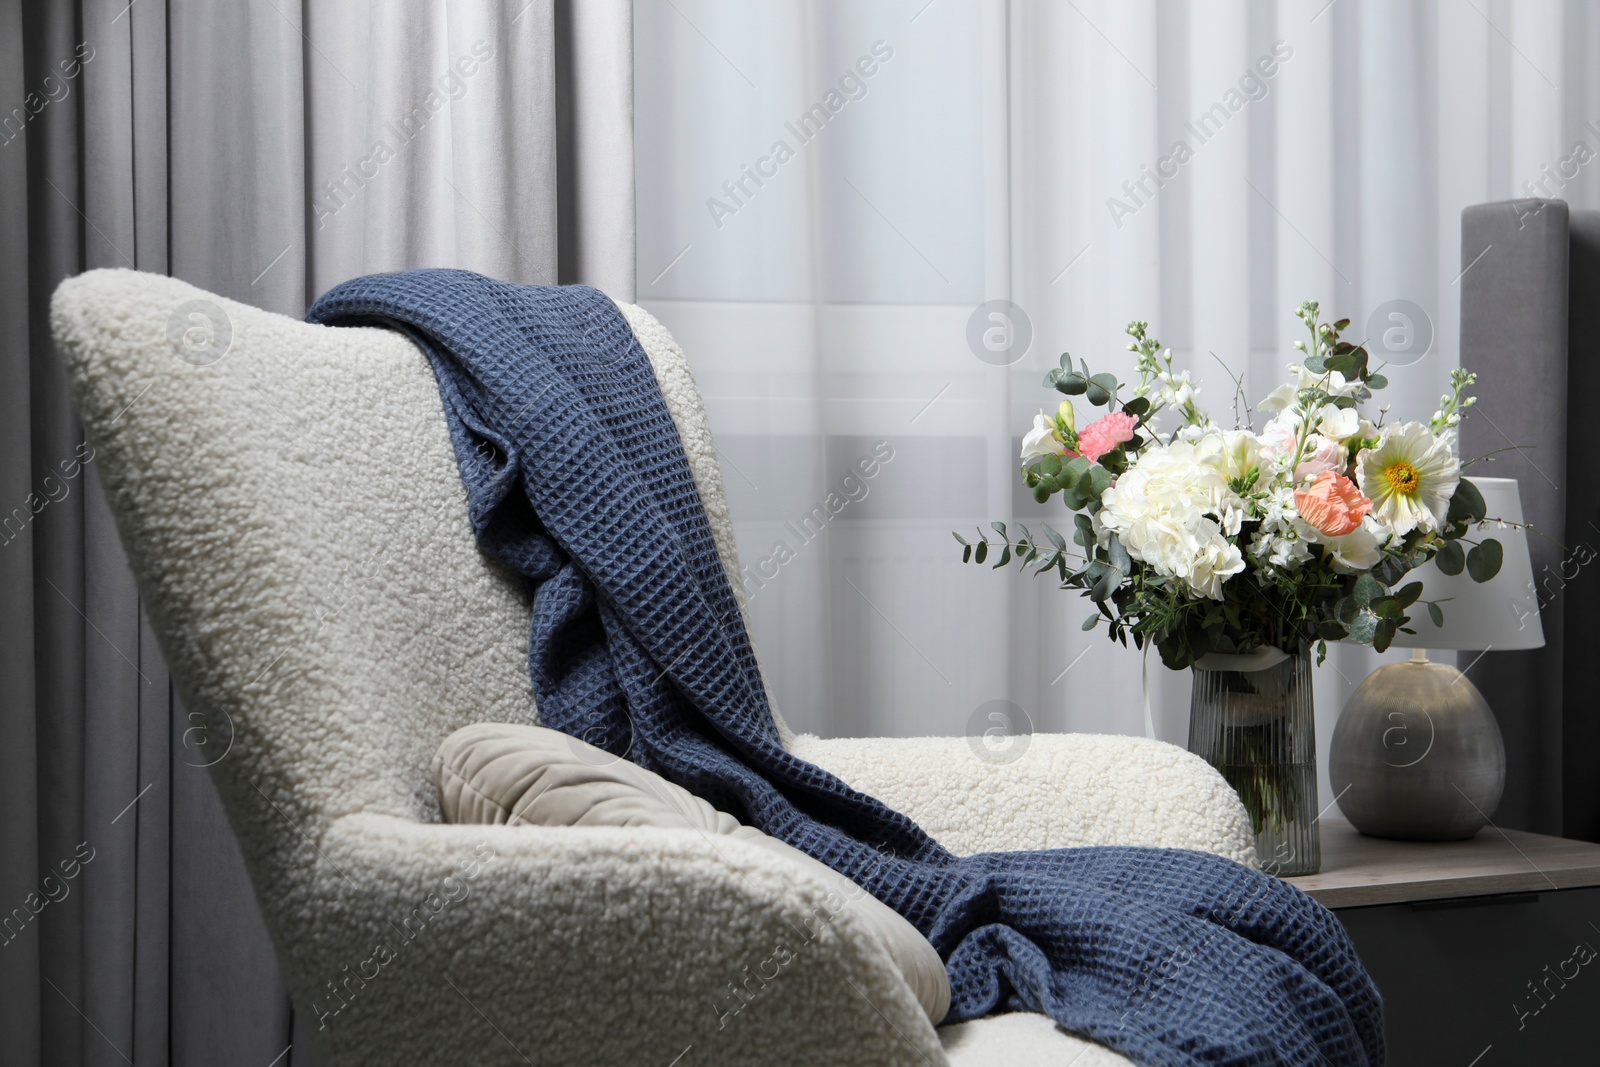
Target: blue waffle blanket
[{"x": 576, "y": 478}]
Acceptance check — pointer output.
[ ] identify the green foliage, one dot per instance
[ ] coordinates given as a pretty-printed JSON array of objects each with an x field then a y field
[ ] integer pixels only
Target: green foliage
[{"x": 1098, "y": 389}]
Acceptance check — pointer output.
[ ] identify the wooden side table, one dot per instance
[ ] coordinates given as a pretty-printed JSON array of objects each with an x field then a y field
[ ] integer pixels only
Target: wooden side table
[{"x": 1487, "y": 951}]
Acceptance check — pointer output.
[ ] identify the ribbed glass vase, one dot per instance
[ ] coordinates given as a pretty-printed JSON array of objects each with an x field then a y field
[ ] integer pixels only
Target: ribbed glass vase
[{"x": 1256, "y": 725}]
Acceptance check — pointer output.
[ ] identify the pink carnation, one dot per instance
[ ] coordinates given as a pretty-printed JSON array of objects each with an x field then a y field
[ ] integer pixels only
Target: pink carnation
[{"x": 1106, "y": 433}]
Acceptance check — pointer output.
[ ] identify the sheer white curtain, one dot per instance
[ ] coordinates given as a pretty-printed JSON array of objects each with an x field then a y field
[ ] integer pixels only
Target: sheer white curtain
[{"x": 827, "y": 191}]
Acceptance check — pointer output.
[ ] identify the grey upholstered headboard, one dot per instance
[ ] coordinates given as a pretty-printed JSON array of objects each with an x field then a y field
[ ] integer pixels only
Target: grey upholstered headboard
[{"x": 1530, "y": 327}]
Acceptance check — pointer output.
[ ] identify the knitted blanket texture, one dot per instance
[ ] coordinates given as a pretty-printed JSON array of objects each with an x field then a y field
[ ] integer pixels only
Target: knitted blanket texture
[{"x": 576, "y": 478}]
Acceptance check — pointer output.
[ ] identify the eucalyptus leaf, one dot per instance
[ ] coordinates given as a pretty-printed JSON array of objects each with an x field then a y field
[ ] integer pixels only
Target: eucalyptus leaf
[
  {"x": 1119, "y": 555},
  {"x": 1389, "y": 571},
  {"x": 1383, "y": 636},
  {"x": 1483, "y": 562},
  {"x": 1467, "y": 505},
  {"x": 1450, "y": 558},
  {"x": 1367, "y": 590},
  {"x": 1407, "y": 595},
  {"x": 1364, "y": 628},
  {"x": 1099, "y": 480},
  {"x": 1073, "y": 384},
  {"x": 1346, "y": 363},
  {"x": 1108, "y": 384},
  {"x": 1436, "y": 613}
]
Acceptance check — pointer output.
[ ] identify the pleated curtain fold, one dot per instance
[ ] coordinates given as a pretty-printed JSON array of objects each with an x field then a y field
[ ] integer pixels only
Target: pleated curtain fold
[{"x": 262, "y": 151}]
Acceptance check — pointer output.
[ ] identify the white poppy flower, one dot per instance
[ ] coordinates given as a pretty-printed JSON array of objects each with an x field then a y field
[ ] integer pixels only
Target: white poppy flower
[{"x": 1409, "y": 477}]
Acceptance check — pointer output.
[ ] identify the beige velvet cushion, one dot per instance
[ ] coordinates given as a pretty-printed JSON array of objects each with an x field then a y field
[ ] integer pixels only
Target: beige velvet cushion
[{"x": 508, "y": 773}]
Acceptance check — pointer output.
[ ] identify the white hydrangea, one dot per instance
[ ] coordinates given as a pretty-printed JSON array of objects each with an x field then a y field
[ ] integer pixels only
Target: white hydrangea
[{"x": 1172, "y": 510}]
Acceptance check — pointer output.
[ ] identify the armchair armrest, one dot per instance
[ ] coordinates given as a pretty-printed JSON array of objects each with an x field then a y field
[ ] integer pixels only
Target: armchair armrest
[
  {"x": 1062, "y": 791},
  {"x": 582, "y": 945}
]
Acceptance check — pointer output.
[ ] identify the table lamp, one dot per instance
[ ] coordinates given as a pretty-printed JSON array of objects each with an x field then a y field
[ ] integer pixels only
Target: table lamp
[{"x": 1416, "y": 754}]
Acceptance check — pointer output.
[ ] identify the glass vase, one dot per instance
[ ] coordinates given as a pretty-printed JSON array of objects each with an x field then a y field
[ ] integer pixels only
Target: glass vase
[{"x": 1251, "y": 717}]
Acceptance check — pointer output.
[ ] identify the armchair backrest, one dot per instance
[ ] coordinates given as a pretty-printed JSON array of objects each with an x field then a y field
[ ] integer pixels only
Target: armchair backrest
[{"x": 290, "y": 505}]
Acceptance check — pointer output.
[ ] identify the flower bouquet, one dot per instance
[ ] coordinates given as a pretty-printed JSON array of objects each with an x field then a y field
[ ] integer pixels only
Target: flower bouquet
[{"x": 1233, "y": 549}]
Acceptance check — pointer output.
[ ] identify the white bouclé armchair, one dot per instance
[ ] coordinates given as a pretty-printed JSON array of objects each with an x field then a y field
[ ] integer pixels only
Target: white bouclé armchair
[{"x": 290, "y": 504}]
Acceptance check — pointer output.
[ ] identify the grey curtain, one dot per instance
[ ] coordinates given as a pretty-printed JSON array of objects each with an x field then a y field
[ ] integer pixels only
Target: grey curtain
[
  {"x": 1530, "y": 290},
  {"x": 262, "y": 150}
]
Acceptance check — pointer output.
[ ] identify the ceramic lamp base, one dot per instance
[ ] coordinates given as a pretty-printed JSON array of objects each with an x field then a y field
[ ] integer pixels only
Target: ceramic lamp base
[{"x": 1417, "y": 755}]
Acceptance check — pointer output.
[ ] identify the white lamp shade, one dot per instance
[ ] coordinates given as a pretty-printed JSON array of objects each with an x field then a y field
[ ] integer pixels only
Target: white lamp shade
[{"x": 1500, "y": 614}]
